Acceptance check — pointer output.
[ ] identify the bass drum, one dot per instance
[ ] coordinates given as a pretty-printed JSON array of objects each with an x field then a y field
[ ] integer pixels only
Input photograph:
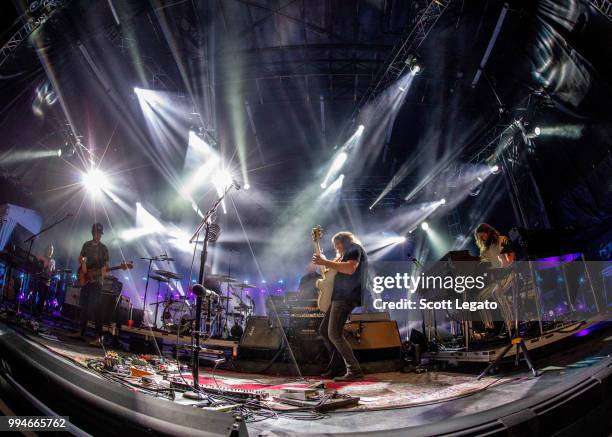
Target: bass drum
[{"x": 177, "y": 317}]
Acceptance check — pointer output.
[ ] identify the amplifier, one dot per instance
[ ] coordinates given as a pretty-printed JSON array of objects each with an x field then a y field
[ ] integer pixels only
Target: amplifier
[
  {"x": 369, "y": 317},
  {"x": 373, "y": 335},
  {"x": 73, "y": 294},
  {"x": 260, "y": 340}
]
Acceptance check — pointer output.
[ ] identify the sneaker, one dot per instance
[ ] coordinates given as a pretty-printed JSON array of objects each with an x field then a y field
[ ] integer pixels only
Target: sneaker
[
  {"x": 349, "y": 376},
  {"x": 331, "y": 373}
]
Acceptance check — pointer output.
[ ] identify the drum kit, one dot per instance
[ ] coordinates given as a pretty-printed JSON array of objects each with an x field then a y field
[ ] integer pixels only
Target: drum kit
[{"x": 179, "y": 314}]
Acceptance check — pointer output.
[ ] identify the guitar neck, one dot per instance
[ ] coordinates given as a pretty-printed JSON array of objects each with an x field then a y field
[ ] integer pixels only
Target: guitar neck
[{"x": 317, "y": 247}]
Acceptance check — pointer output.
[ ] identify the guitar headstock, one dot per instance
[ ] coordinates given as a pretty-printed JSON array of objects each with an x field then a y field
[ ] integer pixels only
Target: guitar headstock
[{"x": 317, "y": 233}]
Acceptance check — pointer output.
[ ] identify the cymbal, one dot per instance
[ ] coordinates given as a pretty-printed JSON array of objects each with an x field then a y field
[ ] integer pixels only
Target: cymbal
[
  {"x": 244, "y": 285},
  {"x": 221, "y": 278},
  {"x": 158, "y": 278},
  {"x": 167, "y": 274}
]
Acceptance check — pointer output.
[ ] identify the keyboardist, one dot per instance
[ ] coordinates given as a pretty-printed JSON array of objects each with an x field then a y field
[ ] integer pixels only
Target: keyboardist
[{"x": 495, "y": 249}]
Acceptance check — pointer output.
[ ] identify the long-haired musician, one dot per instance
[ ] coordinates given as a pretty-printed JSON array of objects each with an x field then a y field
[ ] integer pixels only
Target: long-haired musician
[
  {"x": 495, "y": 249},
  {"x": 491, "y": 245},
  {"x": 351, "y": 265}
]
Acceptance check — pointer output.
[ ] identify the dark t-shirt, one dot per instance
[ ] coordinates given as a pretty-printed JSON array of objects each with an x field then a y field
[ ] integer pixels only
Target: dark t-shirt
[
  {"x": 348, "y": 288},
  {"x": 95, "y": 254}
]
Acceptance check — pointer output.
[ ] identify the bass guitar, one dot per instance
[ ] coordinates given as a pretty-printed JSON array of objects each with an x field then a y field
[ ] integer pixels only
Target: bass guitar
[
  {"x": 325, "y": 285},
  {"x": 85, "y": 278}
]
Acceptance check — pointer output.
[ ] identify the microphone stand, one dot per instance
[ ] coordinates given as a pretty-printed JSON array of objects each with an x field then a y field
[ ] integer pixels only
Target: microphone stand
[
  {"x": 33, "y": 237},
  {"x": 204, "y": 224}
]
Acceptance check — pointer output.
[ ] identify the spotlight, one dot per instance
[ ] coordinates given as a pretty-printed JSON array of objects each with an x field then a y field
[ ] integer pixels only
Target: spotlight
[
  {"x": 360, "y": 128},
  {"x": 222, "y": 180},
  {"x": 537, "y": 131},
  {"x": 59, "y": 153},
  {"x": 136, "y": 90},
  {"x": 95, "y": 181},
  {"x": 412, "y": 62},
  {"x": 247, "y": 186},
  {"x": 442, "y": 201},
  {"x": 339, "y": 161},
  {"x": 424, "y": 226},
  {"x": 323, "y": 185},
  {"x": 494, "y": 169}
]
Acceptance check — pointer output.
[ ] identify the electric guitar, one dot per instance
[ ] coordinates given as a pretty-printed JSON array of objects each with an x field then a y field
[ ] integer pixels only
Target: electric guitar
[
  {"x": 90, "y": 275},
  {"x": 325, "y": 285}
]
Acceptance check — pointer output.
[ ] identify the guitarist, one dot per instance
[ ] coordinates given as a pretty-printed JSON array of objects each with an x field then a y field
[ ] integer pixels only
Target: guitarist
[
  {"x": 351, "y": 265},
  {"x": 93, "y": 261}
]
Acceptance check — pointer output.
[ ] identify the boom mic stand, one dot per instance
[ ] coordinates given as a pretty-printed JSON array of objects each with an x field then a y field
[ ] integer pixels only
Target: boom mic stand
[
  {"x": 206, "y": 225},
  {"x": 52, "y": 225}
]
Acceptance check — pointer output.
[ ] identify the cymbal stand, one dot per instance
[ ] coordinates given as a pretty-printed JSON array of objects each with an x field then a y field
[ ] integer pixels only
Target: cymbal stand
[{"x": 162, "y": 257}]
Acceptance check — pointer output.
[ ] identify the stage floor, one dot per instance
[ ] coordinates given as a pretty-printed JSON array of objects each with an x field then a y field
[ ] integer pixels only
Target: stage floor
[{"x": 386, "y": 400}]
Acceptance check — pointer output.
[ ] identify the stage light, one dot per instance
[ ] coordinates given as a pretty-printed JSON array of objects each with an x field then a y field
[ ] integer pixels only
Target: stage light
[
  {"x": 415, "y": 69},
  {"x": 360, "y": 128},
  {"x": 337, "y": 184},
  {"x": 425, "y": 226},
  {"x": 339, "y": 161},
  {"x": 247, "y": 186},
  {"x": 95, "y": 181},
  {"x": 442, "y": 201},
  {"x": 537, "y": 131},
  {"x": 136, "y": 90},
  {"x": 59, "y": 153},
  {"x": 494, "y": 169},
  {"x": 323, "y": 185},
  {"x": 223, "y": 179}
]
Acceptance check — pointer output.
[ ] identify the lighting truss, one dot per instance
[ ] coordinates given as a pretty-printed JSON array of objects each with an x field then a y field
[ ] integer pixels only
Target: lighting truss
[
  {"x": 403, "y": 50},
  {"x": 27, "y": 29},
  {"x": 603, "y": 6}
]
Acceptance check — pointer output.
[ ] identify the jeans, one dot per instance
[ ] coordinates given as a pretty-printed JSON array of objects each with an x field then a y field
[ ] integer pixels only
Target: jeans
[
  {"x": 332, "y": 332},
  {"x": 90, "y": 302}
]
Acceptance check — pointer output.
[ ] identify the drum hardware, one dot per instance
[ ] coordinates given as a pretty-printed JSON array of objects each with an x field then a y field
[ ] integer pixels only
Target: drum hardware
[
  {"x": 167, "y": 274},
  {"x": 162, "y": 257},
  {"x": 160, "y": 279}
]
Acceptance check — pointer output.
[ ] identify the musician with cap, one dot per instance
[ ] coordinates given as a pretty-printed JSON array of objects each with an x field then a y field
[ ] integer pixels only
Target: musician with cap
[{"x": 93, "y": 261}]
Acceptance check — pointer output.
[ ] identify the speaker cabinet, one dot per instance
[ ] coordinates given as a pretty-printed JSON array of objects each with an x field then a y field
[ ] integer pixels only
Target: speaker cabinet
[
  {"x": 374, "y": 341},
  {"x": 260, "y": 340}
]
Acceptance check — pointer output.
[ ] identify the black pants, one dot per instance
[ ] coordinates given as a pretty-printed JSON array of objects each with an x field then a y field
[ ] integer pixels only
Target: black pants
[
  {"x": 90, "y": 302},
  {"x": 332, "y": 332},
  {"x": 40, "y": 298}
]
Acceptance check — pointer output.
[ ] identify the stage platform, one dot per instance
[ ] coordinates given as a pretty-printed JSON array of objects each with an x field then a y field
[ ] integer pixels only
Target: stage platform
[{"x": 387, "y": 401}]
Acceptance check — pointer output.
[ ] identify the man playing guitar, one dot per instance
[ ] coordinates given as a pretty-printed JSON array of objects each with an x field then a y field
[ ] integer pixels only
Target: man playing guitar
[
  {"x": 351, "y": 265},
  {"x": 93, "y": 262}
]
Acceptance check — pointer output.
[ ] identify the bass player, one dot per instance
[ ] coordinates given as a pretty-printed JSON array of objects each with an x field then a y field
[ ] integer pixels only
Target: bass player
[
  {"x": 351, "y": 265},
  {"x": 93, "y": 261}
]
